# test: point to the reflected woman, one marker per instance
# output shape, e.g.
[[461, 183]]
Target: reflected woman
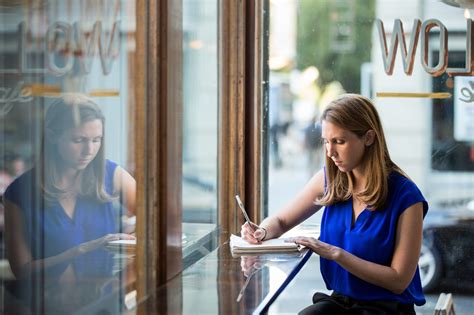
[[63, 207]]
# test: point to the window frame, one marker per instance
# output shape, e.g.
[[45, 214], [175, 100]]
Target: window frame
[[158, 142]]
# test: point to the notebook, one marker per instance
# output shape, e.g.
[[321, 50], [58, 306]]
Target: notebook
[[240, 246]]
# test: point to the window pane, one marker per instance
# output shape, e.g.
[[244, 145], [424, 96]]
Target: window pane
[[201, 90], [321, 49], [67, 103]]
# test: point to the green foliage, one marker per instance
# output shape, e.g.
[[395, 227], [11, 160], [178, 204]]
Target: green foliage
[[317, 21]]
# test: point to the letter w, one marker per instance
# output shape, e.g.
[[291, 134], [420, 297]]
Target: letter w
[[109, 48], [398, 36]]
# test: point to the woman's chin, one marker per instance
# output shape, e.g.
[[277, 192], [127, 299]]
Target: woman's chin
[[342, 168], [80, 166]]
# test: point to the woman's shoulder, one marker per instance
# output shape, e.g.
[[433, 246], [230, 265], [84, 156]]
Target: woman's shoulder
[[110, 165], [24, 180], [22, 186], [398, 181], [405, 192]]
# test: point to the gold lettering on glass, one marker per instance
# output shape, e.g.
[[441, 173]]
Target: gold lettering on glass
[[110, 52], [440, 68], [66, 42], [469, 66], [398, 37], [86, 45], [11, 95], [59, 45], [408, 55]]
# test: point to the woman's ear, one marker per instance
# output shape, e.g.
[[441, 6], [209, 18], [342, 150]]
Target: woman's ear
[[369, 137]]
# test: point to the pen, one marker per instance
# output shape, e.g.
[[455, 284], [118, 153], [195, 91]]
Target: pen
[[241, 206], [244, 287]]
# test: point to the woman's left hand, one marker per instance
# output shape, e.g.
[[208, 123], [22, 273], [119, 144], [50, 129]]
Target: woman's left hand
[[324, 250]]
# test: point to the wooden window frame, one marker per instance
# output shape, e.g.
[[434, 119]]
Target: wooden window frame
[[158, 138], [158, 134], [241, 118]]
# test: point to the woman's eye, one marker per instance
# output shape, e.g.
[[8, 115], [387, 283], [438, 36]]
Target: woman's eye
[[77, 140], [97, 140]]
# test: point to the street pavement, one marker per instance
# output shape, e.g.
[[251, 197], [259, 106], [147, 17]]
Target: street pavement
[[284, 183]]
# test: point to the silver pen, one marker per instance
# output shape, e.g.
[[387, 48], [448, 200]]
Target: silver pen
[[241, 206], [244, 287]]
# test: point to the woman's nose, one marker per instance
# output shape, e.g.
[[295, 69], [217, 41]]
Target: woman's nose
[[88, 147], [330, 150]]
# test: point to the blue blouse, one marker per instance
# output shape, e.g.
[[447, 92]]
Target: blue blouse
[[372, 238], [48, 229]]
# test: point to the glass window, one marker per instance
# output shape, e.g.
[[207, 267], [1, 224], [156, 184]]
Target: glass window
[[67, 156], [200, 92], [321, 49], [452, 148]]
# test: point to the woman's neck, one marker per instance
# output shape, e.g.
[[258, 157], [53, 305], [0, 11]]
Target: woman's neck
[[69, 178], [360, 179]]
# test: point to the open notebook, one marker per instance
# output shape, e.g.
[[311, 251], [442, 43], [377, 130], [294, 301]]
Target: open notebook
[[240, 246]]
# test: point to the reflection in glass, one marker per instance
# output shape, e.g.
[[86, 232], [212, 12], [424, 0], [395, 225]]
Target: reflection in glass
[[66, 99], [200, 92], [63, 207]]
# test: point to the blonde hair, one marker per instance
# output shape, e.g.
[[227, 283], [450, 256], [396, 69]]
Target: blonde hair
[[70, 111], [358, 115]]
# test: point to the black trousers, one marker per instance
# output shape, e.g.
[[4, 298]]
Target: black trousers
[[336, 304]]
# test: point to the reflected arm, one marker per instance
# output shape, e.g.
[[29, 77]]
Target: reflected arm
[[19, 255], [126, 186]]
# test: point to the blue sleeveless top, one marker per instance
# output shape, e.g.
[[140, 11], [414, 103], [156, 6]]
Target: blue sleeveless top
[[49, 231], [372, 238]]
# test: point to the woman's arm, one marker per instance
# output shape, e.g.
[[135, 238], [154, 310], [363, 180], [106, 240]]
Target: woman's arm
[[399, 274], [126, 186], [19, 256], [17, 251], [298, 210]]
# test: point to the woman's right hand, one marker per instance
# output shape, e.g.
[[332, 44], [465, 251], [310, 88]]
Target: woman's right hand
[[94, 244], [252, 234], [250, 264]]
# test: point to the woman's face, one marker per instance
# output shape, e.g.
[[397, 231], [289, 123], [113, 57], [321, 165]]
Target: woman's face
[[343, 147], [79, 146]]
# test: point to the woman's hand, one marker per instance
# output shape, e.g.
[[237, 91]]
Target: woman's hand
[[250, 264], [94, 244], [324, 250], [252, 234]]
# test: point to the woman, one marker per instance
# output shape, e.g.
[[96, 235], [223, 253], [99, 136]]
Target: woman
[[63, 207], [371, 229]]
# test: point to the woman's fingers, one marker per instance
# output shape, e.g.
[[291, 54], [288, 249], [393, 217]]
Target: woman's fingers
[[324, 250], [125, 236], [94, 244], [247, 234], [305, 241], [259, 234], [253, 226]]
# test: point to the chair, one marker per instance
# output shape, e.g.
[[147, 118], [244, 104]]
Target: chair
[[445, 305]]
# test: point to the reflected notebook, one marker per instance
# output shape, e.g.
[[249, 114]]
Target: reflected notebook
[[240, 246], [121, 244]]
